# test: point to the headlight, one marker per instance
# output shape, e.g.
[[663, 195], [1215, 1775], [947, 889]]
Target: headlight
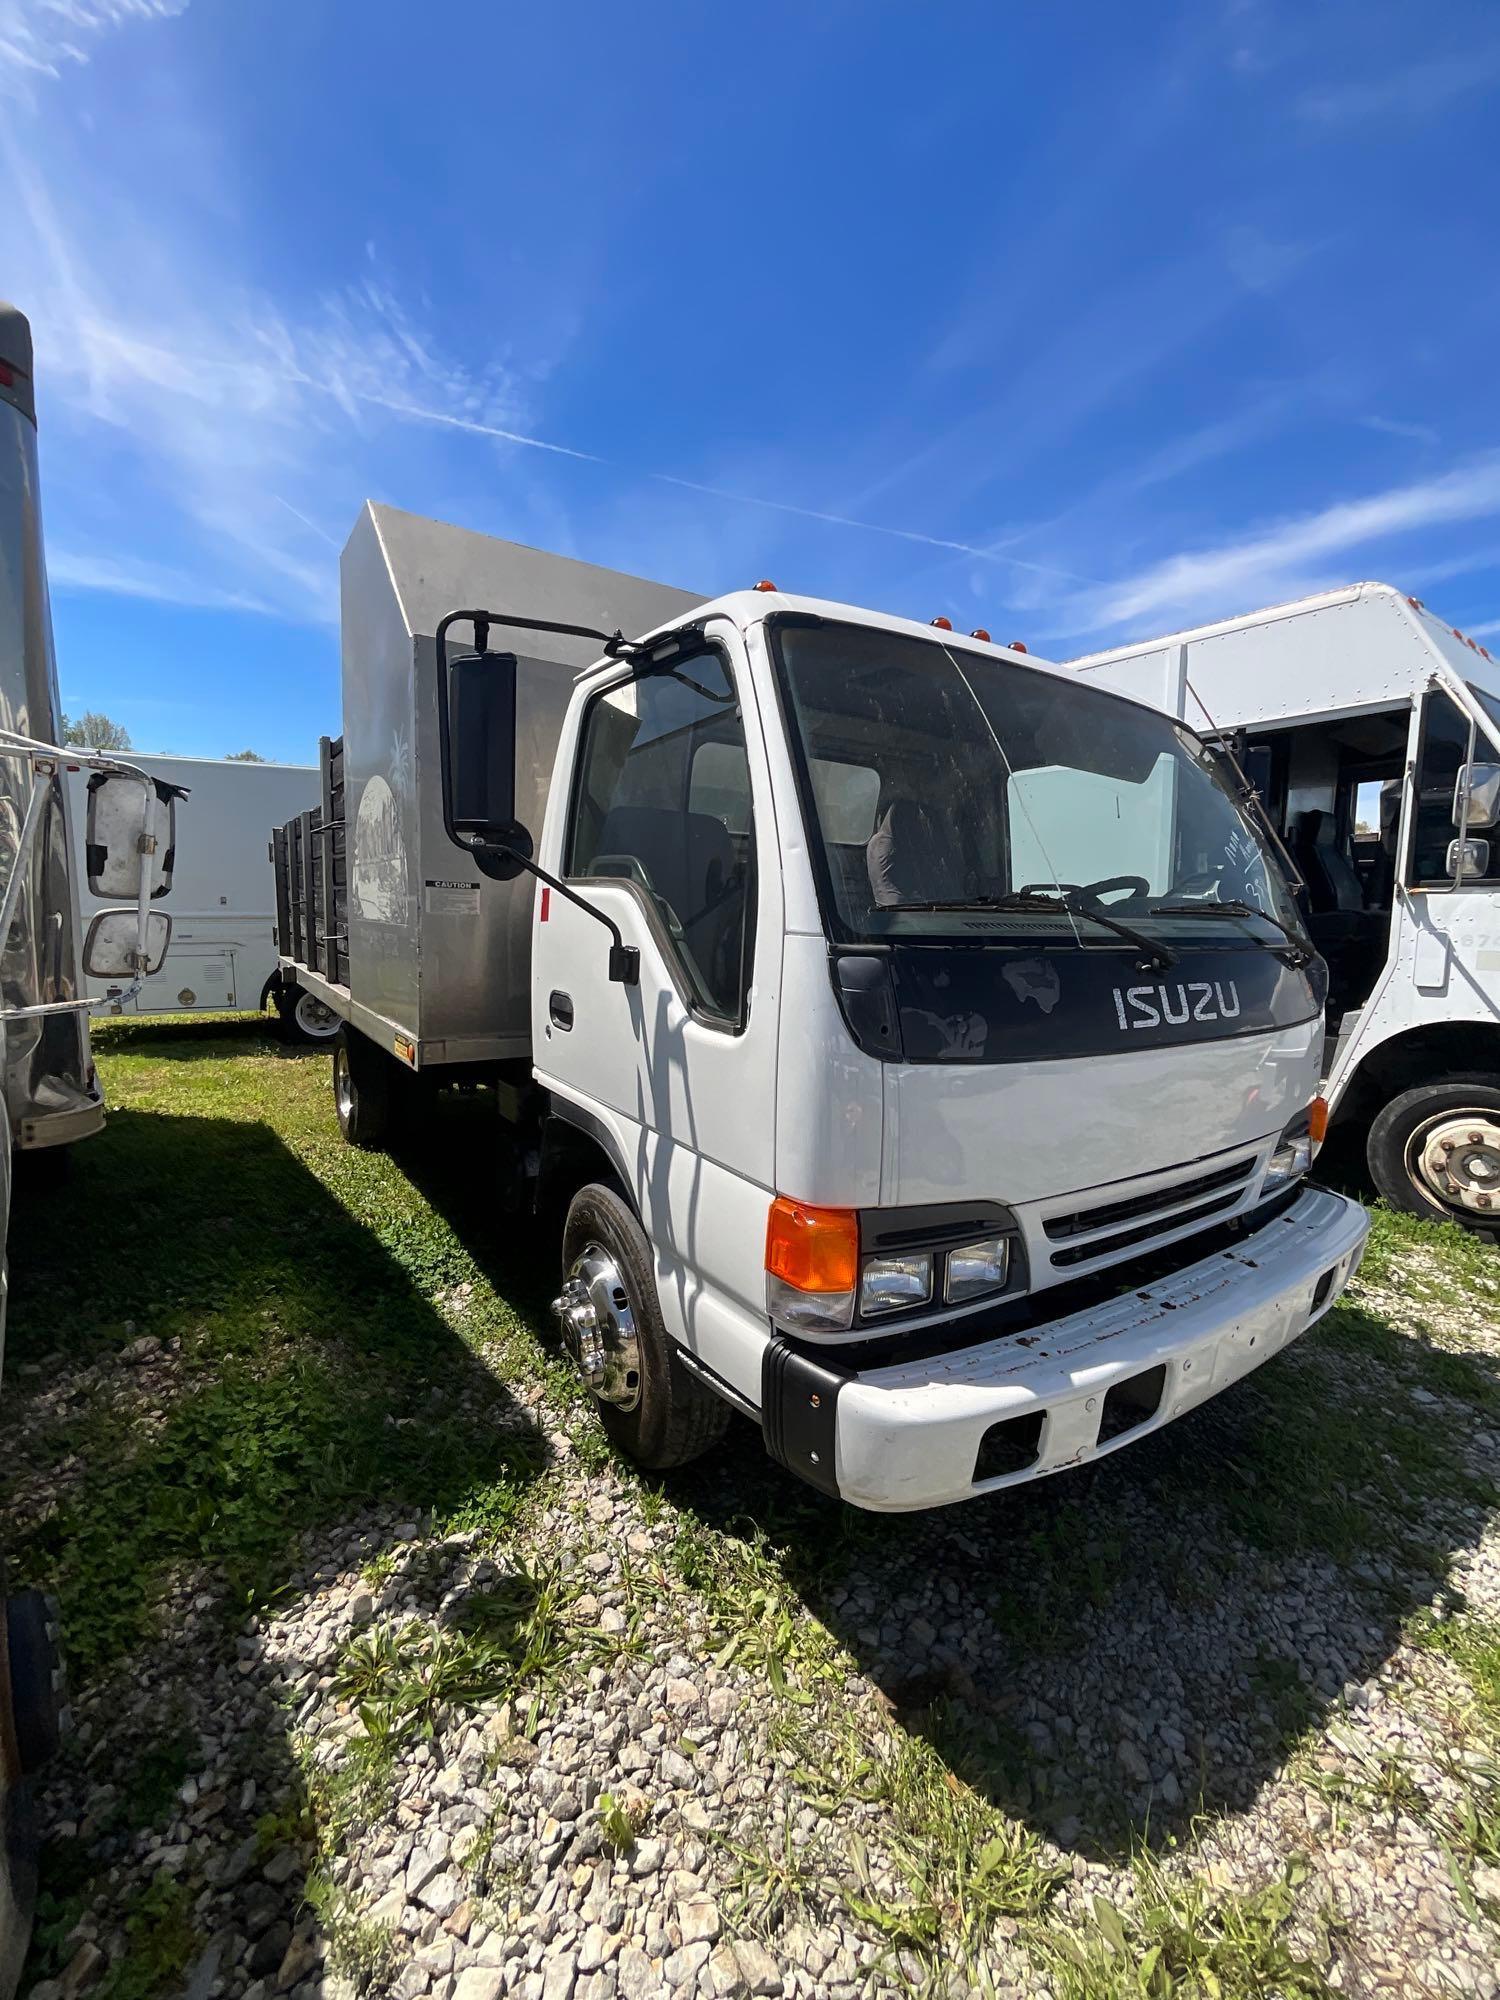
[[886, 1284], [1292, 1157], [975, 1268]]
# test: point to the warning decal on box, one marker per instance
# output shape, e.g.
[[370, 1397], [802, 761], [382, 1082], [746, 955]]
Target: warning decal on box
[[452, 899]]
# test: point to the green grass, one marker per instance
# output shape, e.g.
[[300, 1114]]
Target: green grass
[[343, 1331], [317, 1367]]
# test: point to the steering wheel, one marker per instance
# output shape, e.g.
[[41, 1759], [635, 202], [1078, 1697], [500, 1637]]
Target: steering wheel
[[1135, 885]]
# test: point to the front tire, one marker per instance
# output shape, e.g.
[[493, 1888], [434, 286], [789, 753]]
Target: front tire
[[1435, 1152], [664, 1416]]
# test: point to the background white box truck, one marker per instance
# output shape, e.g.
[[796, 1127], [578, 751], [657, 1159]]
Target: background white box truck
[[1370, 732], [223, 955], [852, 1115]]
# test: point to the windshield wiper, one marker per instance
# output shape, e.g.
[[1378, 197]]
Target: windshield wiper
[[1300, 952], [1160, 955]]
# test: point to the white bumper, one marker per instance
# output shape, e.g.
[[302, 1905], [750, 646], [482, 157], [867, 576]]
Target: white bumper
[[909, 1435]]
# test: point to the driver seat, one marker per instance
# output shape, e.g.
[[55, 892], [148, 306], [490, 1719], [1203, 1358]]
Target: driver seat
[[913, 856]]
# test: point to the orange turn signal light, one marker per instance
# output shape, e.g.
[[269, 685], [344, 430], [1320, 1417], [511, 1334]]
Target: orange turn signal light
[[812, 1249], [765, 584], [1317, 1120]]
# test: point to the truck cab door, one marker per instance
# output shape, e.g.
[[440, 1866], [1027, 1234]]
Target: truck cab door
[[662, 819]]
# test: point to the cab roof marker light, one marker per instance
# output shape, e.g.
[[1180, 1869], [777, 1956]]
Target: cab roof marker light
[[1018, 645], [943, 624], [765, 584], [1416, 604], [980, 633]]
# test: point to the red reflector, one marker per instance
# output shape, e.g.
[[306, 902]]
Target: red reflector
[[943, 624], [546, 903], [980, 633], [765, 584], [1018, 645]]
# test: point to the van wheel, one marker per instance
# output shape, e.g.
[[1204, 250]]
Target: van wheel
[[304, 1018], [1435, 1152], [361, 1089], [650, 1406]]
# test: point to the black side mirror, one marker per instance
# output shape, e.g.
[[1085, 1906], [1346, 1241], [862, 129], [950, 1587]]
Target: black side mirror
[[482, 743], [477, 745]]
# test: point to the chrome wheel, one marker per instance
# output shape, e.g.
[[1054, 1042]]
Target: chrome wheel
[[1455, 1160], [599, 1327], [317, 1022], [343, 1084]]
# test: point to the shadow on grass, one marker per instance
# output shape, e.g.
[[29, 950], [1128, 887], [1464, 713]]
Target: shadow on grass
[[1126, 1647], [188, 1038], [218, 1368]]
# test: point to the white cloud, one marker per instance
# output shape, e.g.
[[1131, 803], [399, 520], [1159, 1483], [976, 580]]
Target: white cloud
[[1284, 559], [1396, 427], [39, 38], [1483, 631], [1416, 91], [121, 576]]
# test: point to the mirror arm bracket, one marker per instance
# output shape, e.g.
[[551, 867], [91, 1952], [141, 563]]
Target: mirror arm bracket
[[624, 959]]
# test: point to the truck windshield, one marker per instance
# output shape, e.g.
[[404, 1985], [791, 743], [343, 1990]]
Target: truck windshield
[[944, 784]]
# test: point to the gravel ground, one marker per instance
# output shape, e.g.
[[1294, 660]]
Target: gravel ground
[[1217, 1717], [656, 1807]]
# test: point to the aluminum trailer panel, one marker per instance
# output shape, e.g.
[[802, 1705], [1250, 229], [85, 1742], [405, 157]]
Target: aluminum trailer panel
[[438, 953]]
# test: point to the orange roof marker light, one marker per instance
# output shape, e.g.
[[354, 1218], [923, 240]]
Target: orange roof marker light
[[980, 633], [765, 584], [1018, 645], [1416, 604], [943, 624]]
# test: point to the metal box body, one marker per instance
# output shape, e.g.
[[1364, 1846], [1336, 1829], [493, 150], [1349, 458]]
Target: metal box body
[[438, 953]]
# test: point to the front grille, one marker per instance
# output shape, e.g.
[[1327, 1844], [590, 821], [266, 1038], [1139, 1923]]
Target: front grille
[[1163, 1208], [1127, 1239], [1084, 1221]]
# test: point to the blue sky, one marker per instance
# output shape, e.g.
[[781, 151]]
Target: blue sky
[[1076, 322]]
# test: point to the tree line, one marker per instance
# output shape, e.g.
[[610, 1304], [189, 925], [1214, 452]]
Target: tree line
[[93, 730]]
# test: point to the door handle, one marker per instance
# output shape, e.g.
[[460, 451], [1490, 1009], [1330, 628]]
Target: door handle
[[560, 1007]]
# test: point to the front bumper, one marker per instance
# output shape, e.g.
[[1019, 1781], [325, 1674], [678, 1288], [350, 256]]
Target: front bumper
[[909, 1435]]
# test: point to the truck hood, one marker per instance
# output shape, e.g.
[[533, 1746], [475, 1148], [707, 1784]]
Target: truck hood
[[1026, 1132]]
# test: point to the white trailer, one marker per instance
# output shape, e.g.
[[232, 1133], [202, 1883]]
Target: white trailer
[[852, 1116], [224, 955], [1370, 732]]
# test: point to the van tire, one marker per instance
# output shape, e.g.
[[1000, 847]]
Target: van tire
[[300, 1014], [361, 1089], [1401, 1140], [677, 1418]]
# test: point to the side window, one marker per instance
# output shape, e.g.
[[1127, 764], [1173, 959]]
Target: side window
[[1445, 745], [662, 800]]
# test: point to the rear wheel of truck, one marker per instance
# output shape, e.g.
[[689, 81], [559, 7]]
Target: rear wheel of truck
[[651, 1407], [1435, 1152], [361, 1089]]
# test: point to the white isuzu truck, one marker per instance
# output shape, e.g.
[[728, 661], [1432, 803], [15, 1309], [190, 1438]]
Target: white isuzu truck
[[49, 1093], [1369, 731], [917, 1047]]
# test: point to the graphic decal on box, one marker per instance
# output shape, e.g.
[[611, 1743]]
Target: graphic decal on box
[[379, 876]]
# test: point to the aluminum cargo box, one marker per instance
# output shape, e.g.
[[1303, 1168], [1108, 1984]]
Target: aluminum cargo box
[[437, 952]]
